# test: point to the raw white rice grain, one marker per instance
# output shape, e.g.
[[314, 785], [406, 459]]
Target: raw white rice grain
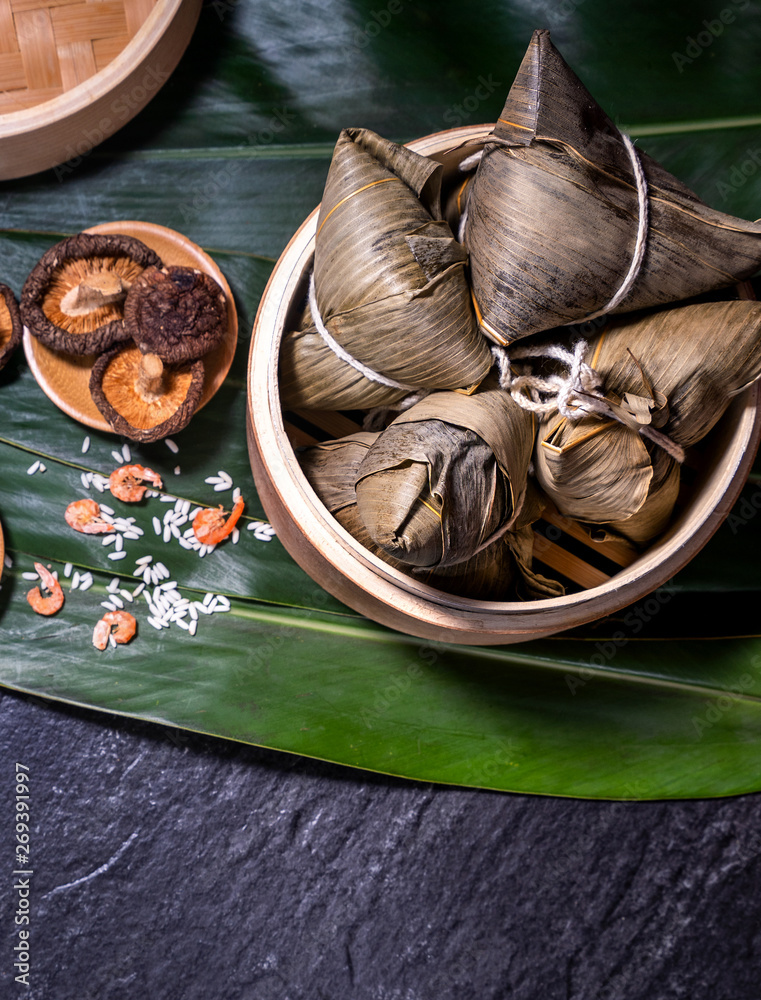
[[126, 595], [108, 605], [177, 470], [193, 627], [33, 468], [85, 581], [112, 640], [108, 539], [86, 445], [138, 590], [117, 555], [30, 576], [106, 509], [117, 457], [126, 453], [171, 445], [157, 525], [75, 580], [113, 585], [67, 570]]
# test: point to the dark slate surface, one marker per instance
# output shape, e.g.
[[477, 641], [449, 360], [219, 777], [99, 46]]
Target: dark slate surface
[[175, 867]]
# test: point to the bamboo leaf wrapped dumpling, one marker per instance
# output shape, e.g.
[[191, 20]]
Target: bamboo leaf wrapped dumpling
[[685, 364], [560, 226], [447, 476], [500, 571], [390, 286]]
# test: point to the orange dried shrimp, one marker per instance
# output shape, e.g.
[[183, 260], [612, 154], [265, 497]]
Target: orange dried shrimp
[[210, 526], [54, 600], [119, 624], [85, 516], [129, 482]]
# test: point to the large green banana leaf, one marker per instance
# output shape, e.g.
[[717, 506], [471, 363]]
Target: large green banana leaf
[[664, 700]]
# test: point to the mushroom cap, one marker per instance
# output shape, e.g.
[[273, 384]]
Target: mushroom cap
[[115, 386], [11, 326], [179, 313], [105, 266]]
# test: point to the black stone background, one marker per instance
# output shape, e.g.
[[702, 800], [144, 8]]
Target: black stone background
[[171, 866]]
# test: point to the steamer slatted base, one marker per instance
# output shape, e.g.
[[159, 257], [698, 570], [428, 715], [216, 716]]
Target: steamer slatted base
[[74, 71]]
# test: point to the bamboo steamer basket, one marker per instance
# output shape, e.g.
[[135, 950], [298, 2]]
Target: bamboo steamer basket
[[334, 559], [72, 72]]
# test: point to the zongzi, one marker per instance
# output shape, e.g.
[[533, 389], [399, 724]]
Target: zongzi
[[566, 220], [447, 477], [389, 306]]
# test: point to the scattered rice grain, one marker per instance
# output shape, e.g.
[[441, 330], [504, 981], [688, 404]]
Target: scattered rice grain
[[171, 445], [33, 468], [86, 445], [117, 554], [67, 570]]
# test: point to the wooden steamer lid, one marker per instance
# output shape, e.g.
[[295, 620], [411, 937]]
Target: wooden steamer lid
[[72, 72], [334, 559]]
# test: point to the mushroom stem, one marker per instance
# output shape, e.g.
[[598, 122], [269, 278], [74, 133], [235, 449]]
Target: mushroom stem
[[97, 289], [150, 377]]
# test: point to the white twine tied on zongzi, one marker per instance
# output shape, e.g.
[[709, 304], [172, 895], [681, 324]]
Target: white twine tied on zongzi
[[643, 221], [341, 352], [577, 393]]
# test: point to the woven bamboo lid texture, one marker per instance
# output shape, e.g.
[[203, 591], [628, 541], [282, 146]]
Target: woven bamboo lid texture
[[608, 576], [72, 72]]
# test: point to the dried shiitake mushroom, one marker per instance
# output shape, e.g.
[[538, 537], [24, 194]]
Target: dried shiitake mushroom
[[143, 398], [73, 300], [10, 324], [179, 313]]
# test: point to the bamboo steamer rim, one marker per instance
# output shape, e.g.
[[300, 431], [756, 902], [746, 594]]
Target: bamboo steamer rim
[[65, 379], [43, 135], [333, 557]]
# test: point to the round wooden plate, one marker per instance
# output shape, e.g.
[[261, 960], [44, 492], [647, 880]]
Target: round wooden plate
[[355, 576], [65, 378], [72, 72]]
